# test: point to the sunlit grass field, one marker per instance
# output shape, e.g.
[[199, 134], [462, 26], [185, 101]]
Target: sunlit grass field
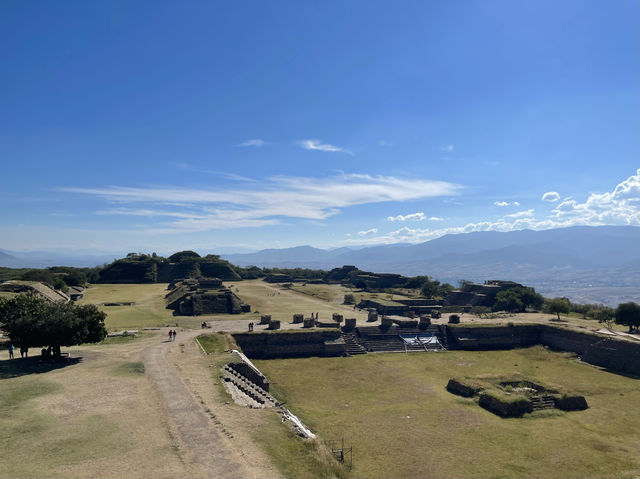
[[395, 411], [282, 306], [150, 310]]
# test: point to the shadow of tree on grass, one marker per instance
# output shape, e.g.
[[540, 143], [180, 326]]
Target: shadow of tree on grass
[[14, 368]]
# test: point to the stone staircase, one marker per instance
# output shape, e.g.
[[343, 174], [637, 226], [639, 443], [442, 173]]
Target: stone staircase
[[542, 402], [375, 339], [352, 346], [255, 395]]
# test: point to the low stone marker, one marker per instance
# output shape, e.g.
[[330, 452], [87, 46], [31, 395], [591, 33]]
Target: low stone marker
[[298, 318], [337, 317], [386, 322], [454, 319], [425, 321], [309, 323], [274, 324], [350, 323], [372, 316], [265, 318]]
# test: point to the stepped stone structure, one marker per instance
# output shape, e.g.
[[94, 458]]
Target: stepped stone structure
[[473, 294], [43, 290], [203, 296]]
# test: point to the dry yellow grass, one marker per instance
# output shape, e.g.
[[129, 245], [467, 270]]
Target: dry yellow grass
[[402, 423]]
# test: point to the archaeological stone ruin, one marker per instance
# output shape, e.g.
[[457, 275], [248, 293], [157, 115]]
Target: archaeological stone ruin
[[194, 297]]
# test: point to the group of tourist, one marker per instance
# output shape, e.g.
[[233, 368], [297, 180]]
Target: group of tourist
[[24, 351], [172, 334]]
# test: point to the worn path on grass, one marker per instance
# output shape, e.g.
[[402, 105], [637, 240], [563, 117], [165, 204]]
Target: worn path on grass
[[201, 446]]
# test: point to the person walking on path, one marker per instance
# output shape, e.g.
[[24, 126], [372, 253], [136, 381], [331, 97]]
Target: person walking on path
[[174, 334], [170, 335], [11, 348]]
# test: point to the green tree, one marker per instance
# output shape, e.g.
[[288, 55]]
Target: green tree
[[557, 306], [529, 297], [32, 322], [628, 314], [182, 255], [152, 273], [604, 315], [349, 299], [508, 300]]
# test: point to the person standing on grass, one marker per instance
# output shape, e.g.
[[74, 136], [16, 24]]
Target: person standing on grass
[[11, 348]]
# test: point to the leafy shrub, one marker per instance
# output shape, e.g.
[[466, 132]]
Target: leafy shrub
[[349, 299]]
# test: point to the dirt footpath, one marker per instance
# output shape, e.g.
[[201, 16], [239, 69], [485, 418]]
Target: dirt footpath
[[203, 443]]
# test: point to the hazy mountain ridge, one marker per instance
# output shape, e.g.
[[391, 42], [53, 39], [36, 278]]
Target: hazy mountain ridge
[[44, 259], [587, 264]]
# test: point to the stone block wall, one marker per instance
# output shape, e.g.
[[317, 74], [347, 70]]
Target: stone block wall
[[284, 344], [616, 354]]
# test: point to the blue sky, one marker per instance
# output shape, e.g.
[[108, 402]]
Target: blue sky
[[226, 126]]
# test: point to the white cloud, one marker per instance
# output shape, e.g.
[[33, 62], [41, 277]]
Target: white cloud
[[506, 203], [522, 214], [447, 148], [253, 142], [411, 217], [384, 143], [551, 196], [263, 203], [318, 146], [372, 231], [619, 207]]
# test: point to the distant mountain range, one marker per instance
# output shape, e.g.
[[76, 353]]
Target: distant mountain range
[[584, 263], [44, 259], [595, 264]]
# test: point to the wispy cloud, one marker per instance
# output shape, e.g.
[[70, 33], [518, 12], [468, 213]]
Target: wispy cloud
[[551, 196], [317, 145], [368, 232], [506, 203], [522, 214], [384, 143], [262, 203], [447, 148], [254, 142]]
